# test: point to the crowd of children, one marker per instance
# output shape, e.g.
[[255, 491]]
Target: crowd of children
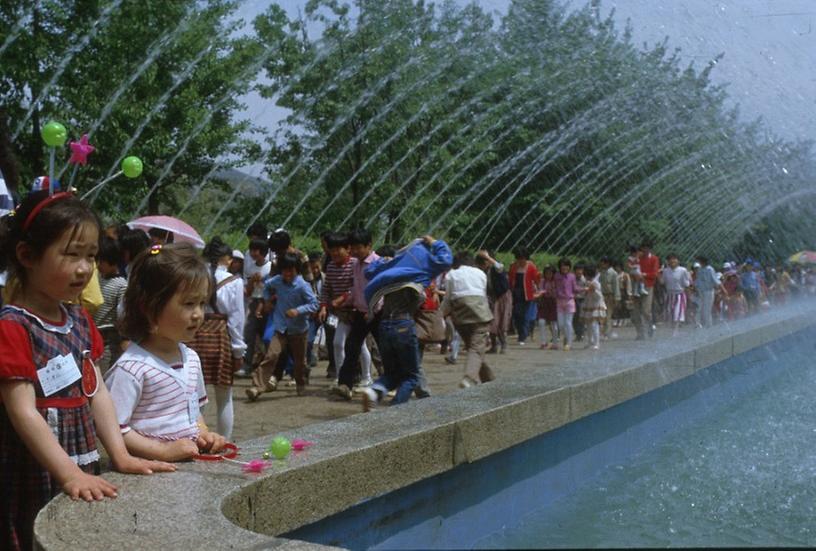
[[168, 321]]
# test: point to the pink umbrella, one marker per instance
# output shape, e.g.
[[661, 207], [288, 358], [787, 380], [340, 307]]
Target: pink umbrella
[[182, 231]]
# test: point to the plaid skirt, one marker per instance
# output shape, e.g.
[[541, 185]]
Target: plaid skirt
[[25, 487], [212, 344]]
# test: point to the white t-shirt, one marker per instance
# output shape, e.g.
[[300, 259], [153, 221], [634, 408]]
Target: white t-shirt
[[676, 280], [251, 268], [155, 399]]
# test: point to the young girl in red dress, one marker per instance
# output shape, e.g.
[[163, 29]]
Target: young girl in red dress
[[52, 405]]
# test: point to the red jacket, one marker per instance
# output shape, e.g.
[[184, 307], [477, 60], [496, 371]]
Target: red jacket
[[531, 277], [649, 267]]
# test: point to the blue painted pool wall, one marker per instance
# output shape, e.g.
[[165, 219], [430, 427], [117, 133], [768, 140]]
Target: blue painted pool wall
[[458, 508]]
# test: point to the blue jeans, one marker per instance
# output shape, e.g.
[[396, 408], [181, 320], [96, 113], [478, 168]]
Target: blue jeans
[[310, 339], [399, 349]]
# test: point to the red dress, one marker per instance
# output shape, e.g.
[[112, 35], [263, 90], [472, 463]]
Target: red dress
[[27, 343]]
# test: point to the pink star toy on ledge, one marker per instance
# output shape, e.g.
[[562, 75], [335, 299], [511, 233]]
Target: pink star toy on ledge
[[80, 151]]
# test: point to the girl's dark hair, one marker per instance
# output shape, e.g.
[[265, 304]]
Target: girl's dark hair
[[215, 250], [548, 268], [315, 256], [672, 255], [288, 260], [703, 260], [522, 252], [155, 276], [564, 262], [109, 251], [132, 242], [590, 272], [66, 213], [337, 239]]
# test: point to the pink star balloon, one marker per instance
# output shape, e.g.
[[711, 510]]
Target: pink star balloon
[[80, 151]]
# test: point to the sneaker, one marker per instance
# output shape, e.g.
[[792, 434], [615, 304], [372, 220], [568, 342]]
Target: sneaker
[[566, 348], [313, 362], [644, 293], [301, 390], [521, 343], [370, 399], [391, 393], [421, 393], [503, 349], [449, 360], [244, 373], [271, 384], [362, 385], [614, 335], [343, 391], [252, 393], [595, 347], [467, 382], [544, 347]]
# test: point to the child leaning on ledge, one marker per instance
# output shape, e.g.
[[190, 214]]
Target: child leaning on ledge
[[157, 384]]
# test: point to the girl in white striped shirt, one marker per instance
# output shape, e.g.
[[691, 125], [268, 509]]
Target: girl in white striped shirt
[[157, 385]]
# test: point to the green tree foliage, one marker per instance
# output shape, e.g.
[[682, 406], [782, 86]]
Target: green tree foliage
[[544, 128], [112, 65]]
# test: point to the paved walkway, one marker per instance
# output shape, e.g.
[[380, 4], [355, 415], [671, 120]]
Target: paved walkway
[[283, 410]]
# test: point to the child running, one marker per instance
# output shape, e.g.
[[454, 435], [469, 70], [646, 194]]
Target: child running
[[294, 303], [52, 408], [157, 384]]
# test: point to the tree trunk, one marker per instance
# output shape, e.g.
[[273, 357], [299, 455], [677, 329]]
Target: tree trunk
[[8, 160]]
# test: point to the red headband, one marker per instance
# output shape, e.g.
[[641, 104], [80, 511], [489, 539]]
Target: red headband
[[41, 205]]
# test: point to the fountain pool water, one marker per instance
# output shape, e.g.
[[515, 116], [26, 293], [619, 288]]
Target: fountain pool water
[[722, 458]]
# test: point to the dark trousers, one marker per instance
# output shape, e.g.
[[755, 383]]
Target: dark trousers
[[520, 319], [360, 328], [331, 369], [399, 349]]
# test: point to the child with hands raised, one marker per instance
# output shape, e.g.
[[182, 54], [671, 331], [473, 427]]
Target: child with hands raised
[[52, 407], [157, 384]]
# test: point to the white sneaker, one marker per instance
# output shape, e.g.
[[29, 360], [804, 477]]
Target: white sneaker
[[363, 385], [370, 399], [271, 384], [467, 382]]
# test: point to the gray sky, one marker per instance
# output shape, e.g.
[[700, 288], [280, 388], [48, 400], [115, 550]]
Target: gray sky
[[769, 48]]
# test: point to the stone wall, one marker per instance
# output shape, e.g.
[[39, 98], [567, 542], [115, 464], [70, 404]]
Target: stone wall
[[216, 506]]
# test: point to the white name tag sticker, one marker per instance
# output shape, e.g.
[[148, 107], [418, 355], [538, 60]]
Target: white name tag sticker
[[58, 373]]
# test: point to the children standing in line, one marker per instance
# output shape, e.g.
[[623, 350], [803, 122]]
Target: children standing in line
[[219, 342], [157, 385], [294, 302], [547, 310], [594, 310], [52, 407]]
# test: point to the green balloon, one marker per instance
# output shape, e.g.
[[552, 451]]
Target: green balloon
[[132, 167], [280, 447], [54, 134]]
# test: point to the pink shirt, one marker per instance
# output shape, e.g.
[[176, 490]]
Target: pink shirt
[[358, 300]]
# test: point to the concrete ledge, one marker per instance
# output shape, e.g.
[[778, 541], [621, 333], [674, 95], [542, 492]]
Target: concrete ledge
[[368, 455]]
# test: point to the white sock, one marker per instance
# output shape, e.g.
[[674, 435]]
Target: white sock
[[223, 403]]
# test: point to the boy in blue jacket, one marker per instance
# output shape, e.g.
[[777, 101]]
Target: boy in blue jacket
[[399, 285]]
